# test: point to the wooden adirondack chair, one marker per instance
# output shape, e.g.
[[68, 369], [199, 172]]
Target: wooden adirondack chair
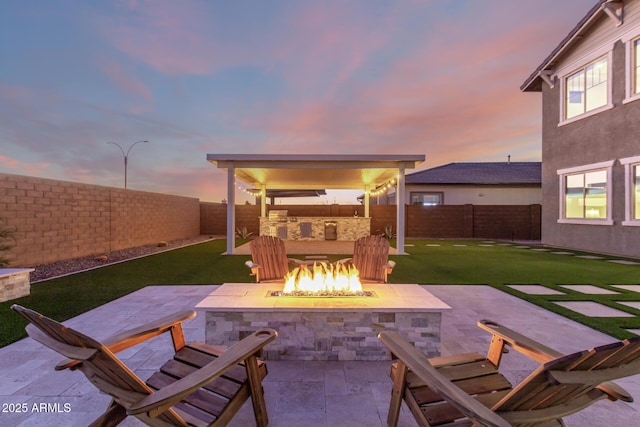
[[444, 390], [201, 386], [269, 259], [371, 258]]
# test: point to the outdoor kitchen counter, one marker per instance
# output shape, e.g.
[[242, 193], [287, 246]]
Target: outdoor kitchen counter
[[316, 228]]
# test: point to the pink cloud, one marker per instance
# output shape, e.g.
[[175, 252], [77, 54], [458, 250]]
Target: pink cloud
[[20, 167], [126, 80]]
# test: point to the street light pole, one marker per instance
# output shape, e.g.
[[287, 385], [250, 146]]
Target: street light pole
[[126, 157]]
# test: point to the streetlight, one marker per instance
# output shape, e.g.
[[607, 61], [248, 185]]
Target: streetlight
[[126, 158]]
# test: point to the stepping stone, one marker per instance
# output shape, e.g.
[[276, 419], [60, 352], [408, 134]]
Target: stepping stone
[[634, 331], [535, 290], [488, 241], [589, 257], [562, 253], [486, 246], [459, 245], [408, 244], [632, 288], [539, 249], [589, 289], [432, 245], [623, 262], [593, 309], [504, 244], [521, 247], [632, 304]]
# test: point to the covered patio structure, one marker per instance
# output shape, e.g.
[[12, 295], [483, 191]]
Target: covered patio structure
[[266, 172]]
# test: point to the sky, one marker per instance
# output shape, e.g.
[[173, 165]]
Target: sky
[[438, 78]]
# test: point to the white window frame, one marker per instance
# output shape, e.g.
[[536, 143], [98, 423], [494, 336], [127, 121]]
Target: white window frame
[[629, 163], [562, 173], [628, 39], [567, 71]]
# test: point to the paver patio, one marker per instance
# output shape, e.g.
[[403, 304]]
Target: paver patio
[[297, 393]]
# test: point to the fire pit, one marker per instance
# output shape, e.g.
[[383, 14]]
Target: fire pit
[[323, 280], [324, 328]]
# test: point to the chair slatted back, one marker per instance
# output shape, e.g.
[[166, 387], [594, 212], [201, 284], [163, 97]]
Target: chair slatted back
[[370, 254], [573, 377], [270, 254], [100, 366]]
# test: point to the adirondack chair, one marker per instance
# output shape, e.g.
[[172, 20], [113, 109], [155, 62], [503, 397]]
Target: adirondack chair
[[269, 259], [444, 390], [371, 258], [201, 386]]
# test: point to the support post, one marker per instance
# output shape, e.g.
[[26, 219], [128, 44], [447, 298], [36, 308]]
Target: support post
[[263, 201], [231, 210], [400, 208], [366, 200]]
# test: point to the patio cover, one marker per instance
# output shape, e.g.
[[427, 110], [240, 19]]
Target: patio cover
[[312, 171]]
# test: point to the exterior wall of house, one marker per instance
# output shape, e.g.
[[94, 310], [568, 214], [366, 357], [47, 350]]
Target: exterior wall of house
[[609, 135], [480, 194], [56, 220]]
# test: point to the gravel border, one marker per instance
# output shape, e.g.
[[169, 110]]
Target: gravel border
[[63, 268]]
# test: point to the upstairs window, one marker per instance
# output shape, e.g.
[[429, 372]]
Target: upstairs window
[[636, 66], [587, 89], [585, 194]]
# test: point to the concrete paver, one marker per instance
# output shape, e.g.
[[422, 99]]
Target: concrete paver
[[308, 393]]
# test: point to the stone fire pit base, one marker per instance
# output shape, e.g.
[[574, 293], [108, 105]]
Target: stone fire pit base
[[332, 328]]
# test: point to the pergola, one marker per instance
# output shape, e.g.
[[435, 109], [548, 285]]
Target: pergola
[[312, 171]]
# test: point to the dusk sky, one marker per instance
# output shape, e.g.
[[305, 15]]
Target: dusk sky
[[439, 78]]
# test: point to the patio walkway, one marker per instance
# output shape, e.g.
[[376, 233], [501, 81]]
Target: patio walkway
[[297, 393], [313, 247]]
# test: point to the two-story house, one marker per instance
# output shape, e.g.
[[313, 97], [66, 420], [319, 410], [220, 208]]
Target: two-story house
[[590, 86]]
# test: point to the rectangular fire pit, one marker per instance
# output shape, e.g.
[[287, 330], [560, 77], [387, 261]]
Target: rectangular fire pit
[[324, 328]]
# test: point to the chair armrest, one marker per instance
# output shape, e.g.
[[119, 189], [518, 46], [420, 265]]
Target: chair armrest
[[418, 363], [530, 348], [390, 265], [163, 399], [126, 339]]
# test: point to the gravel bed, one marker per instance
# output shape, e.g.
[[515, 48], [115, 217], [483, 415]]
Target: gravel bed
[[62, 268]]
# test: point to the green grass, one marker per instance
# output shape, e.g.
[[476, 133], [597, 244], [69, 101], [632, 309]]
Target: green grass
[[495, 266]]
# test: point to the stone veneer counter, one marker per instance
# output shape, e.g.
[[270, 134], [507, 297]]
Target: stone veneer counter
[[349, 228], [324, 328]]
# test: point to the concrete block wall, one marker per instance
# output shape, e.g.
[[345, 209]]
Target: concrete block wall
[[56, 220]]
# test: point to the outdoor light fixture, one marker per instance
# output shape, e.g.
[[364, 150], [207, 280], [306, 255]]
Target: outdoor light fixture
[[126, 157]]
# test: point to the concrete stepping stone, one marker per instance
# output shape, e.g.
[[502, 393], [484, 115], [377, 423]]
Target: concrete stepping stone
[[589, 257], [592, 309], [433, 245], [521, 247], [623, 262], [634, 331], [540, 249], [562, 253], [632, 304], [590, 289], [632, 288], [486, 245], [504, 244], [535, 290], [408, 244], [460, 245]]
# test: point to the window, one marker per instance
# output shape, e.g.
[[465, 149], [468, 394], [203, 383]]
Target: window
[[632, 190], [587, 89], [585, 194], [632, 72], [636, 66], [426, 198]]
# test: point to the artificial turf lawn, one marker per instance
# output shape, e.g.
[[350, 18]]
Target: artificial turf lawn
[[448, 263]]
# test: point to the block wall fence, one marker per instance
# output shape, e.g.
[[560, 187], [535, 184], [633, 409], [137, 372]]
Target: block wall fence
[[55, 220]]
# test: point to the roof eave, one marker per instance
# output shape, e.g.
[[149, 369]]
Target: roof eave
[[534, 82]]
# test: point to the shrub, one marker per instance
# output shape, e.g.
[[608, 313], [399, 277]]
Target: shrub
[[7, 242]]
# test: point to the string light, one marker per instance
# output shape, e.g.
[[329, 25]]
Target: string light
[[247, 190], [383, 188]]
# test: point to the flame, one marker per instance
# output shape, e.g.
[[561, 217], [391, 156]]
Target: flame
[[323, 278]]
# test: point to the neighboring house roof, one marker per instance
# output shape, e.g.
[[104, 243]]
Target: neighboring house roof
[[533, 83], [487, 173]]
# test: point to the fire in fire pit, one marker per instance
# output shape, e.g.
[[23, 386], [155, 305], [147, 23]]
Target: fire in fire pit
[[323, 279]]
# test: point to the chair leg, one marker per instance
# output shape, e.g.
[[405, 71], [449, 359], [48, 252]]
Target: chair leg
[[257, 392], [113, 416], [399, 384]]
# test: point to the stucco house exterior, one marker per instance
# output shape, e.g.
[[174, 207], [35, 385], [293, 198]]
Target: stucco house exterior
[[474, 183], [590, 85]]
